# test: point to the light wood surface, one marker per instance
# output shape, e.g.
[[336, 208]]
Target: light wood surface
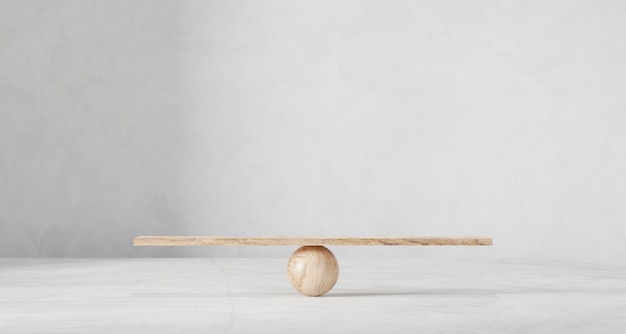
[[316, 241], [313, 270]]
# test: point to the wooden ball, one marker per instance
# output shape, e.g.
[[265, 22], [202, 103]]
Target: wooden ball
[[313, 270]]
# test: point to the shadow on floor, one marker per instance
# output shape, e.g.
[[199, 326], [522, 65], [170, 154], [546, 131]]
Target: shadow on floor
[[447, 292]]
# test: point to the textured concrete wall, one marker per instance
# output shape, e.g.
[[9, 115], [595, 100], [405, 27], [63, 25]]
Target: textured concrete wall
[[499, 118]]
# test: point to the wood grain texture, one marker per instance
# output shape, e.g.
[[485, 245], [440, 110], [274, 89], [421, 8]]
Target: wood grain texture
[[315, 241], [313, 270]]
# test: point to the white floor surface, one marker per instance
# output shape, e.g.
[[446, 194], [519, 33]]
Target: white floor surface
[[254, 296]]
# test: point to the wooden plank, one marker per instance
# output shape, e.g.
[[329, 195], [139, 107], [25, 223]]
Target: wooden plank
[[300, 241]]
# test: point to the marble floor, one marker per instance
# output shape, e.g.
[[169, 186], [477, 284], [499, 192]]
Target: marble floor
[[254, 296]]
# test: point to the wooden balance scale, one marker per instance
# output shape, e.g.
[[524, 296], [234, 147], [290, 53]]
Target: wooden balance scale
[[312, 269]]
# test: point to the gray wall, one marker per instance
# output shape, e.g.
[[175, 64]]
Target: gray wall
[[500, 118]]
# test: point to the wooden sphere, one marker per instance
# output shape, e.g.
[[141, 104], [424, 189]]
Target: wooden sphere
[[313, 270]]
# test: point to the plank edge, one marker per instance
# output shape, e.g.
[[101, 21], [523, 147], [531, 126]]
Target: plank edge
[[294, 241]]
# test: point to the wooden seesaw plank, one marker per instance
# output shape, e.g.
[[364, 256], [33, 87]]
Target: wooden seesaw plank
[[314, 241]]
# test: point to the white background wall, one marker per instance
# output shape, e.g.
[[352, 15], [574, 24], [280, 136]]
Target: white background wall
[[368, 118]]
